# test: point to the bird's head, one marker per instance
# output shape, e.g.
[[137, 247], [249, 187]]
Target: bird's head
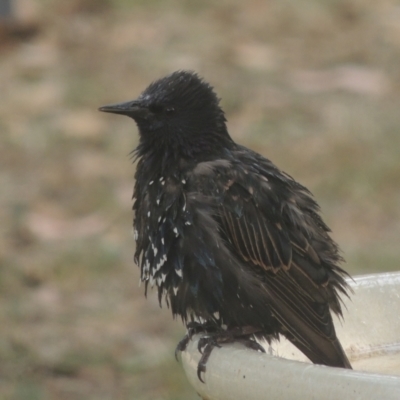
[[180, 110]]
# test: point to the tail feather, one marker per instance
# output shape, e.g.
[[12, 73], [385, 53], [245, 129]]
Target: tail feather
[[306, 322], [319, 349]]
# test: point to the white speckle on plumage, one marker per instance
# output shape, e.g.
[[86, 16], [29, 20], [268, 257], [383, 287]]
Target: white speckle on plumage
[[176, 232], [149, 213], [184, 205], [216, 315], [155, 250], [188, 223], [162, 240], [161, 262], [152, 280], [183, 181], [175, 289], [161, 179], [179, 272], [164, 276], [135, 234], [163, 183], [159, 219], [251, 306], [158, 202], [145, 97], [151, 182], [159, 280]]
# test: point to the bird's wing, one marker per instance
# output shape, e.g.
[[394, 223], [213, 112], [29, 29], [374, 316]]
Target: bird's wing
[[272, 225]]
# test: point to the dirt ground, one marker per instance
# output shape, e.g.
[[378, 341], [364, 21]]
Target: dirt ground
[[313, 85]]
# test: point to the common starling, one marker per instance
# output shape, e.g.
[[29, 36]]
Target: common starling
[[232, 243]]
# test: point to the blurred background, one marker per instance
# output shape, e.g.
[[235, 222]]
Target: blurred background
[[312, 85]]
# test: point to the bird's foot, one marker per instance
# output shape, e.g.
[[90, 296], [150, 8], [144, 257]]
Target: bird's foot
[[192, 329], [207, 343]]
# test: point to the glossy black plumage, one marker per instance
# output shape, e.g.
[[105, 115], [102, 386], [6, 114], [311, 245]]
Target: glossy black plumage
[[224, 235]]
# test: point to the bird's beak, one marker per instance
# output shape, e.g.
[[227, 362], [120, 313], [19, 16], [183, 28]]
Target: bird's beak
[[130, 108]]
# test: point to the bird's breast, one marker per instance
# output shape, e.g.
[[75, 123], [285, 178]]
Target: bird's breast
[[160, 223]]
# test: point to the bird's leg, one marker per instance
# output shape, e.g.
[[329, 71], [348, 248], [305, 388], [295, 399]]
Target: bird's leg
[[242, 335], [192, 329]]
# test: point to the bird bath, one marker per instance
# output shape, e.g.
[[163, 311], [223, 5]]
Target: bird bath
[[370, 335]]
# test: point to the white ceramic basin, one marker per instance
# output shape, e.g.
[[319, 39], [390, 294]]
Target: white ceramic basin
[[370, 335]]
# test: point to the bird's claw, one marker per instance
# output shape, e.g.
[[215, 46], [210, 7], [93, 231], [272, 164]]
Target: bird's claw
[[202, 365], [193, 328], [206, 344], [207, 341], [181, 346]]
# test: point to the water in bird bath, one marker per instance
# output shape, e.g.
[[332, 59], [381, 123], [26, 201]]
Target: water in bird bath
[[382, 362], [371, 346]]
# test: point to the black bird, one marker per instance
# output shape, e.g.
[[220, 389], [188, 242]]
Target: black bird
[[231, 242]]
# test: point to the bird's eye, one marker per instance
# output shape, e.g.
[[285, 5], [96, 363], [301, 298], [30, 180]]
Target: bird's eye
[[159, 109], [156, 108]]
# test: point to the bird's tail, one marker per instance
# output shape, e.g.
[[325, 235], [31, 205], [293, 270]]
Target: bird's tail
[[319, 349]]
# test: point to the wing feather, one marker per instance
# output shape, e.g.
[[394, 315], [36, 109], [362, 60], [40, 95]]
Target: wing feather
[[272, 225]]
